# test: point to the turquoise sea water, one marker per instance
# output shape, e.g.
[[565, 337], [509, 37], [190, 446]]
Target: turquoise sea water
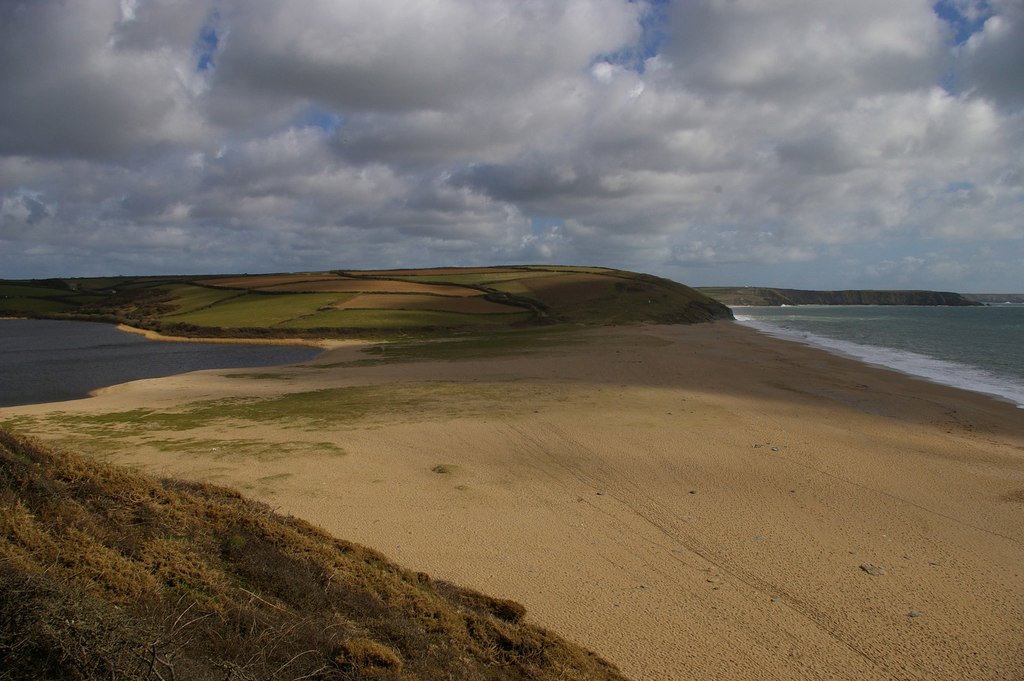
[[975, 348]]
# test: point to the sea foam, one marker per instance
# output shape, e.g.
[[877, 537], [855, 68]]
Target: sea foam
[[940, 371]]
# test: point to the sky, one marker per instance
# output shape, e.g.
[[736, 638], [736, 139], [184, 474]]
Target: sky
[[795, 143]]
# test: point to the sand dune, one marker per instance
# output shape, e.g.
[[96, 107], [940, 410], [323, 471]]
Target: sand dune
[[687, 501]]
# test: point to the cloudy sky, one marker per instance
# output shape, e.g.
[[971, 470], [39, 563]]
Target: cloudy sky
[[801, 143]]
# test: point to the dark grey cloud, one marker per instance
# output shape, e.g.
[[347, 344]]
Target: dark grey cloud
[[71, 90], [413, 56], [788, 51], [993, 59], [818, 153], [532, 183]]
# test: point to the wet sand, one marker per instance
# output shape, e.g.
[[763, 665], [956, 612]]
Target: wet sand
[[689, 502]]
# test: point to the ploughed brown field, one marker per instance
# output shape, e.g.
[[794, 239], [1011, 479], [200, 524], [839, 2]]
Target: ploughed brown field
[[402, 301], [296, 284]]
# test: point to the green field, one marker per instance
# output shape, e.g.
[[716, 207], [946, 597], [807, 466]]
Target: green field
[[205, 306], [29, 291], [20, 306], [189, 298], [258, 309], [403, 319]]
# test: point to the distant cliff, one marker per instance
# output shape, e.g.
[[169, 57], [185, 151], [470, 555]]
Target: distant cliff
[[748, 295], [996, 298]]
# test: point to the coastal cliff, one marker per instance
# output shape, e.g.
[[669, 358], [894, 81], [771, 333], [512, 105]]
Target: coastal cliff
[[748, 295], [996, 298]]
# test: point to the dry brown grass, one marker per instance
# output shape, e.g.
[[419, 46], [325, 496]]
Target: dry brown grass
[[569, 289], [324, 283], [433, 271], [109, 574], [375, 286], [261, 281], [392, 301]]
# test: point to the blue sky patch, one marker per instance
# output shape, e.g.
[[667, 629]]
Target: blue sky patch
[[654, 23], [206, 44], [954, 187], [545, 225], [314, 116], [963, 26]]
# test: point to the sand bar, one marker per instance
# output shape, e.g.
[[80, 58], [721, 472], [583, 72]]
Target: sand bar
[[689, 502], [325, 343]]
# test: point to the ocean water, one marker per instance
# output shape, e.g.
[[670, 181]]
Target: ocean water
[[52, 361], [975, 348]]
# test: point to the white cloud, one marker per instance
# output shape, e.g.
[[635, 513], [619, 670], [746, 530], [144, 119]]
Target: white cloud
[[782, 135]]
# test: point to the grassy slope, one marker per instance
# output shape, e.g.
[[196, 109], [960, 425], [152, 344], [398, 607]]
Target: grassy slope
[[308, 304], [109, 574]]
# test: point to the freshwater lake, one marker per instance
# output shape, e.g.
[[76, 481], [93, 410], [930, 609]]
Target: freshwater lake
[[52, 361]]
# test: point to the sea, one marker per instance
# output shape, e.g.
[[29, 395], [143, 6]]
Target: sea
[[53, 361], [974, 348]]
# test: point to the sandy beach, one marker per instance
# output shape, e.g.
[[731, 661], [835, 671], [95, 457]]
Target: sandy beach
[[687, 501]]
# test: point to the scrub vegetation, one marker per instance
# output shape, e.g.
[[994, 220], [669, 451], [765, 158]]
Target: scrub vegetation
[[106, 573], [386, 304], [172, 429]]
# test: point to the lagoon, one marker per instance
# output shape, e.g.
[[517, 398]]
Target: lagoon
[[52, 361]]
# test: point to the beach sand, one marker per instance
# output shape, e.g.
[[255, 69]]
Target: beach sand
[[686, 501]]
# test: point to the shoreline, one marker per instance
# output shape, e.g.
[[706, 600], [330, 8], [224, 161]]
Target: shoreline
[[953, 372], [336, 344], [684, 501], [825, 347], [85, 364], [323, 343], [782, 335]]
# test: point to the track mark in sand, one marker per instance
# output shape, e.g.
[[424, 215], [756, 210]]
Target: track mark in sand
[[895, 497], [555, 446], [597, 473], [590, 470]]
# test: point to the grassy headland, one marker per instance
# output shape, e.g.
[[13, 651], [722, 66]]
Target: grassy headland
[[378, 303]]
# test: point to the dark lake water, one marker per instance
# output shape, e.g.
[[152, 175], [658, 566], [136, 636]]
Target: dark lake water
[[51, 361]]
